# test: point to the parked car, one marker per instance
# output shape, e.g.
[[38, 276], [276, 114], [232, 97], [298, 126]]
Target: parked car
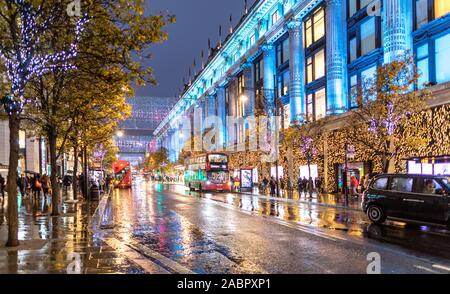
[[410, 198]]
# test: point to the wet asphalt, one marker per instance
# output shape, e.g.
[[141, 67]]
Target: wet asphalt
[[172, 230]]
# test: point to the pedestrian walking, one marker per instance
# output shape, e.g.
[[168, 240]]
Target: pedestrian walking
[[282, 186], [20, 185], [305, 184], [2, 186], [27, 185], [300, 186], [354, 185], [272, 186], [366, 181], [67, 181], [237, 184], [318, 183], [45, 185], [108, 182], [36, 186], [265, 183], [361, 183]]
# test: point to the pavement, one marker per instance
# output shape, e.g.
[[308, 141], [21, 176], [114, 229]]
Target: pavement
[[163, 228], [58, 245]]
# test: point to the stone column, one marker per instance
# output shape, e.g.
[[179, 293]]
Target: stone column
[[336, 54], [297, 71], [397, 28]]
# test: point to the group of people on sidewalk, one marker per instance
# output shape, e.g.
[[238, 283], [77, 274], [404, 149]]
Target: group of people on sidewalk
[[36, 185], [286, 186], [29, 186]]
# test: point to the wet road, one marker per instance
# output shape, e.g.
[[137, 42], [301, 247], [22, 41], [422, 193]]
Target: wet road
[[163, 228]]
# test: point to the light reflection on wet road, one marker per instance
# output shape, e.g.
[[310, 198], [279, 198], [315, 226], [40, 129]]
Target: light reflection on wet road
[[228, 233]]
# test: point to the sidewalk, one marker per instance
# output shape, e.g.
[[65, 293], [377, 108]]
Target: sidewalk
[[326, 199], [58, 245]]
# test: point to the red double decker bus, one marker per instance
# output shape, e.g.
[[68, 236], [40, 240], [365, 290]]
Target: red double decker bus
[[122, 174], [208, 172]]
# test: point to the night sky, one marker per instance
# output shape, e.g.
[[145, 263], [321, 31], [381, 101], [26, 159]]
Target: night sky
[[197, 20]]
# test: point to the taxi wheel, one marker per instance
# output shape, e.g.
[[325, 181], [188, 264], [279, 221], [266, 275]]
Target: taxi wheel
[[376, 214]]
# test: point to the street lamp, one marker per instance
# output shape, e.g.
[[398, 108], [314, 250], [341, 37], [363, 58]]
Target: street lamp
[[119, 133], [243, 98]]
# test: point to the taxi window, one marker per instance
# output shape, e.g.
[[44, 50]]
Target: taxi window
[[430, 186], [380, 184], [402, 184]]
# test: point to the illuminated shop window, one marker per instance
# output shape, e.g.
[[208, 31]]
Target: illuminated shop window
[[429, 10], [314, 27], [316, 105], [315, 66]]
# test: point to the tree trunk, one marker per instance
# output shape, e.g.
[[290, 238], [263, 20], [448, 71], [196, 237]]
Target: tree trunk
[[75, 171], [13, 214], [385, 162], [51, 134]]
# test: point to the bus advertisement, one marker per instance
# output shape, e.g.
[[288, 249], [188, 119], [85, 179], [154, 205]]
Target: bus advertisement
[[208, 172], [122, 174]]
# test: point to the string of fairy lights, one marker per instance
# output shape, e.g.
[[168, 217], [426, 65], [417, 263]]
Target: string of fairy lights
[[24, 63]]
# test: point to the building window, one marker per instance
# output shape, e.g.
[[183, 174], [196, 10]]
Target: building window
[[432, 58], [367, 33], [361, 78], [259, 67], [259, 83], [314, 27], [421, 13], [315, 66], [423, 65], [364, 38], [441, 8], [283, 84], [428, 10], [442, 51], [316, 105], [252, 40], [353, 49], [282, 52], [275, 17], [356, 5], [353, 92]]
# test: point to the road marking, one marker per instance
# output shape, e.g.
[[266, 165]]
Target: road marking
[[324, 235], [280, 222], [136, 257], [441, 267], [139, 254], [426, 269], [165, 261]]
